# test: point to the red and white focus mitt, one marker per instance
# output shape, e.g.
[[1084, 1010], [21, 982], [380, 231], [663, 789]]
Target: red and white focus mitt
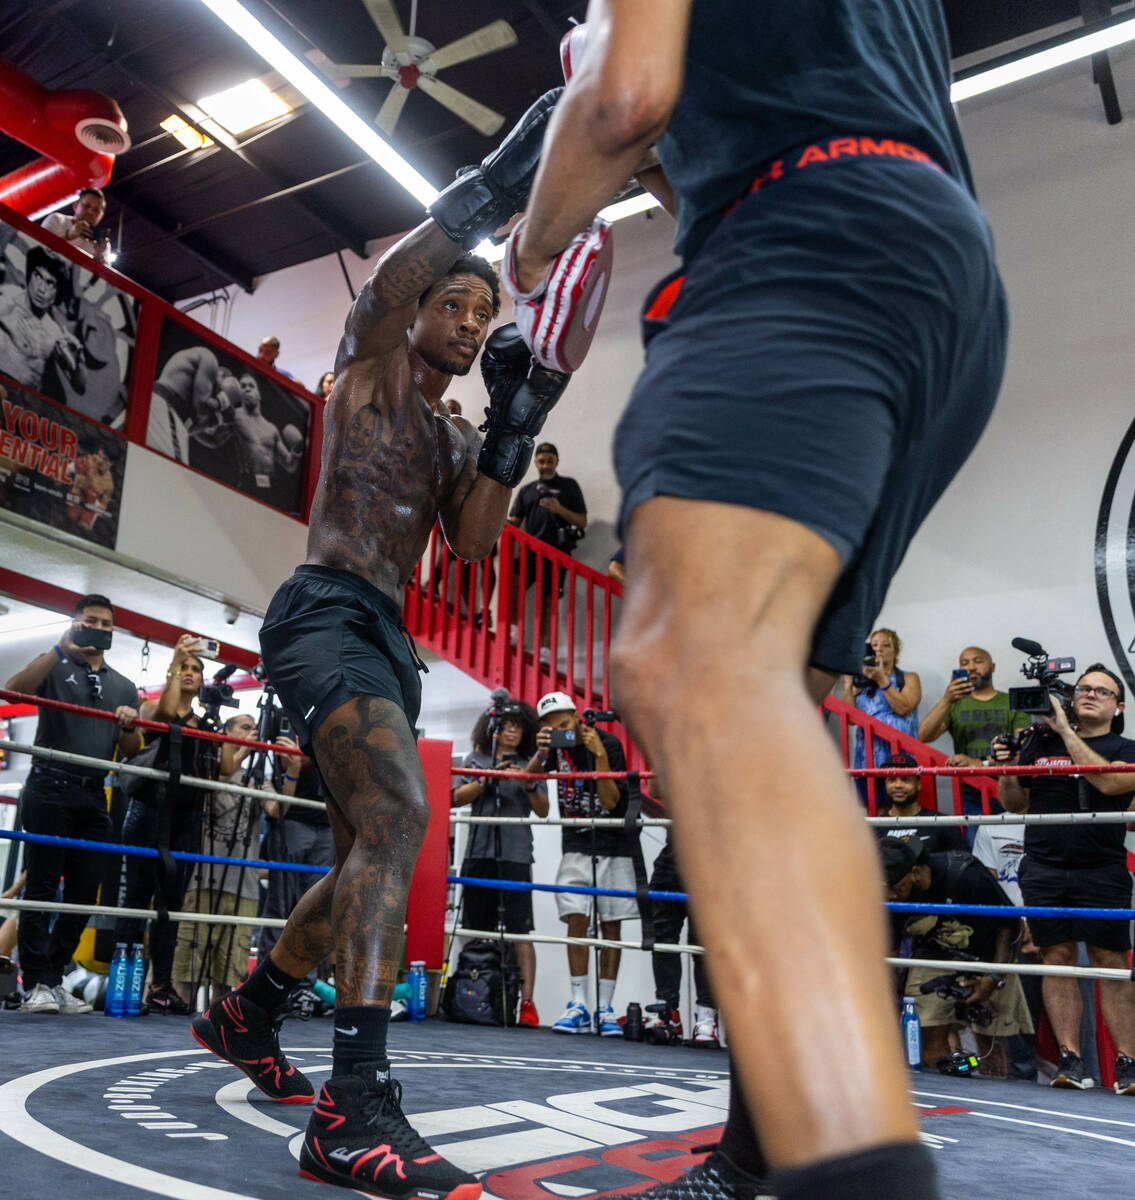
[[558, 318], [572, 47]]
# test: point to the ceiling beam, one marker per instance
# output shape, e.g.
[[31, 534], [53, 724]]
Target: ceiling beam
[[136, 73], [200, 248]]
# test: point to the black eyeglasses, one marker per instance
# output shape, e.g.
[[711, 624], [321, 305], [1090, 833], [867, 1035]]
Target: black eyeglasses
[[1102, 693]]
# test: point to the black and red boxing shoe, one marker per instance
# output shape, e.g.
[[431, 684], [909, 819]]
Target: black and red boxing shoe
[[243, 1034], [358, 1137]]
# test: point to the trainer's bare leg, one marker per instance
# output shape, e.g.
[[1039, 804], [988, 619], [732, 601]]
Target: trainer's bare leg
[[709, 670]]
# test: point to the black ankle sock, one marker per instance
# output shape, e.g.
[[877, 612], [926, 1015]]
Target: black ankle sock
[[268, 986], [360, 1037], [904, 1171], [739, 1142]]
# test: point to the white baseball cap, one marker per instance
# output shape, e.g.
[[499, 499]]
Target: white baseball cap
[[555, 702]]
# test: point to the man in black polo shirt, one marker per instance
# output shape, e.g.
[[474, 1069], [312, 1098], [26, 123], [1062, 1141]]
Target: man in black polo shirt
[[902, 801], [1079, 866], [67, 800], [551, 509]]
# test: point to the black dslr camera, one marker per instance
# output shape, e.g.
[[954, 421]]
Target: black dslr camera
[[949, 987], [217, 694], [1046, 671], [860, 682]]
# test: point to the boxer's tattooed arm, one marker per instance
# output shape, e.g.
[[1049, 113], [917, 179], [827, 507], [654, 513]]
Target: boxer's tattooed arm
[[384, 308], [370, 764]]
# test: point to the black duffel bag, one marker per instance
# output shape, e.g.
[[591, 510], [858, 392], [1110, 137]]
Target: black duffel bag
[[485, 988]]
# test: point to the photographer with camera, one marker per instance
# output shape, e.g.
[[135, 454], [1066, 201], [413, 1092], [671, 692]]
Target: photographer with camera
[[885, 691], [504, 738], [142, 879], [992, 1006], [551, 509], [69, 801], [1078, 866], [591, 857], [81, 229]]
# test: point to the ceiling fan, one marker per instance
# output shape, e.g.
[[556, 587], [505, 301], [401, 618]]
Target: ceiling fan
[[411, 62]]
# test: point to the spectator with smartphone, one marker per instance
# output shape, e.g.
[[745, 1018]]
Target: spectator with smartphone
[[66, 800], [81, 229], [884, 691], [504, 738], [1078, 866], [143, 883], [973, 712], [595, 857]]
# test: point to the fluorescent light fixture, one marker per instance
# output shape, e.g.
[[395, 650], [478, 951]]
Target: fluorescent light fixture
[[311, 86], [63, 206], [185, 133], [1035, 62], [245, 106]]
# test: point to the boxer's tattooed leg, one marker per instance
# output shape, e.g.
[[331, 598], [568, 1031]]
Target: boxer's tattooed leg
[[370, 764]]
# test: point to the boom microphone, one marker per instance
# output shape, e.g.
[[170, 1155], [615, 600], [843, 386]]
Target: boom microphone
[[1028, 647]]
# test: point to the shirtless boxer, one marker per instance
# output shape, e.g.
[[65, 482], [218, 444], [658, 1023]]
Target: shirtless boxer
[[810, 389], [263, 447], [394, 460], [30, 337], [183, 396]]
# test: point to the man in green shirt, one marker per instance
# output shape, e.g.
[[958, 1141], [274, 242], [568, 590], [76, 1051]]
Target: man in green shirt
[[972, 711]]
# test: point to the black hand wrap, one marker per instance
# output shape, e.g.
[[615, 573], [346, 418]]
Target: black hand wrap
[[521, 394], [486, 197]]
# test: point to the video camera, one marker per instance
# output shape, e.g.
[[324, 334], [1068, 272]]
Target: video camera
[[1046, 671], [949, 987], [217, 694]]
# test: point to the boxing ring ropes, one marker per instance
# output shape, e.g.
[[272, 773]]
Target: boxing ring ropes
[[114, 768]]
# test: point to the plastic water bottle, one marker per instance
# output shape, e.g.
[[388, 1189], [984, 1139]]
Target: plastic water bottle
[[416, 1009], [118, 982], [137, 981], [911, 1034], [324, 991]]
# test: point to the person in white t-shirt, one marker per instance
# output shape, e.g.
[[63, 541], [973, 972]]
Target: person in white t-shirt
[[81, 228]]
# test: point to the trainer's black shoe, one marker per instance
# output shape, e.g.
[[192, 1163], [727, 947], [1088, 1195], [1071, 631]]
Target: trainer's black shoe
[[359, 1138], [1124, 1076], [717, 1178], [1071, 1072], [164, 1001], [242, 1033]]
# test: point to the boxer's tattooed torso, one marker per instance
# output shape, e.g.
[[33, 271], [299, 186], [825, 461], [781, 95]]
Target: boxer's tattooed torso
[[391, 460]]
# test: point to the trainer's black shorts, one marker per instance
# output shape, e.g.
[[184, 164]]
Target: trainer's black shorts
[[1077, 887], [330, 635], [832, 356], [480, 904]]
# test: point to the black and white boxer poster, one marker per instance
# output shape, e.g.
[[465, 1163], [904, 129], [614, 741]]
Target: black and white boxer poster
[[65, 332], [227, 419], [59, 469]]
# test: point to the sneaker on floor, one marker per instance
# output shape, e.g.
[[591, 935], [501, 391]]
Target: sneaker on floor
[[714, 1179], [67, 1003], [358, 1137], [607, 1023], [1071, 1072], [41, 999], [241, 1033], [1124, 1076], [576, 1019], [165, 1001], [705, 1029], [528, 1014]]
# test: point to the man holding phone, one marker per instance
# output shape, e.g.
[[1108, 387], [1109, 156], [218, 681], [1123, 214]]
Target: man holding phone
[[66, 800], [595, 857]]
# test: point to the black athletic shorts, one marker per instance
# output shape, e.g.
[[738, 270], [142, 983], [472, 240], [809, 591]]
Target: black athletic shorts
[[1077, 887], [832, 356], [330, 635], [480, 904]]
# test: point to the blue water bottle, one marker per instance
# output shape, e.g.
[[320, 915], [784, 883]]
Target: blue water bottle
[[118, 982], [137, 981], [911, 1034], [416, 1009]]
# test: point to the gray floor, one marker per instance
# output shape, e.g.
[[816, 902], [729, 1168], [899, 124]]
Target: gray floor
[[94, 1107]]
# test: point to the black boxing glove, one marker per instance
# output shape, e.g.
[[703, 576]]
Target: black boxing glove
[[521, 394], [485, 197]]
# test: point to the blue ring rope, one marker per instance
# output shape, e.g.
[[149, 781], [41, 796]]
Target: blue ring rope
[[516, 885]]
